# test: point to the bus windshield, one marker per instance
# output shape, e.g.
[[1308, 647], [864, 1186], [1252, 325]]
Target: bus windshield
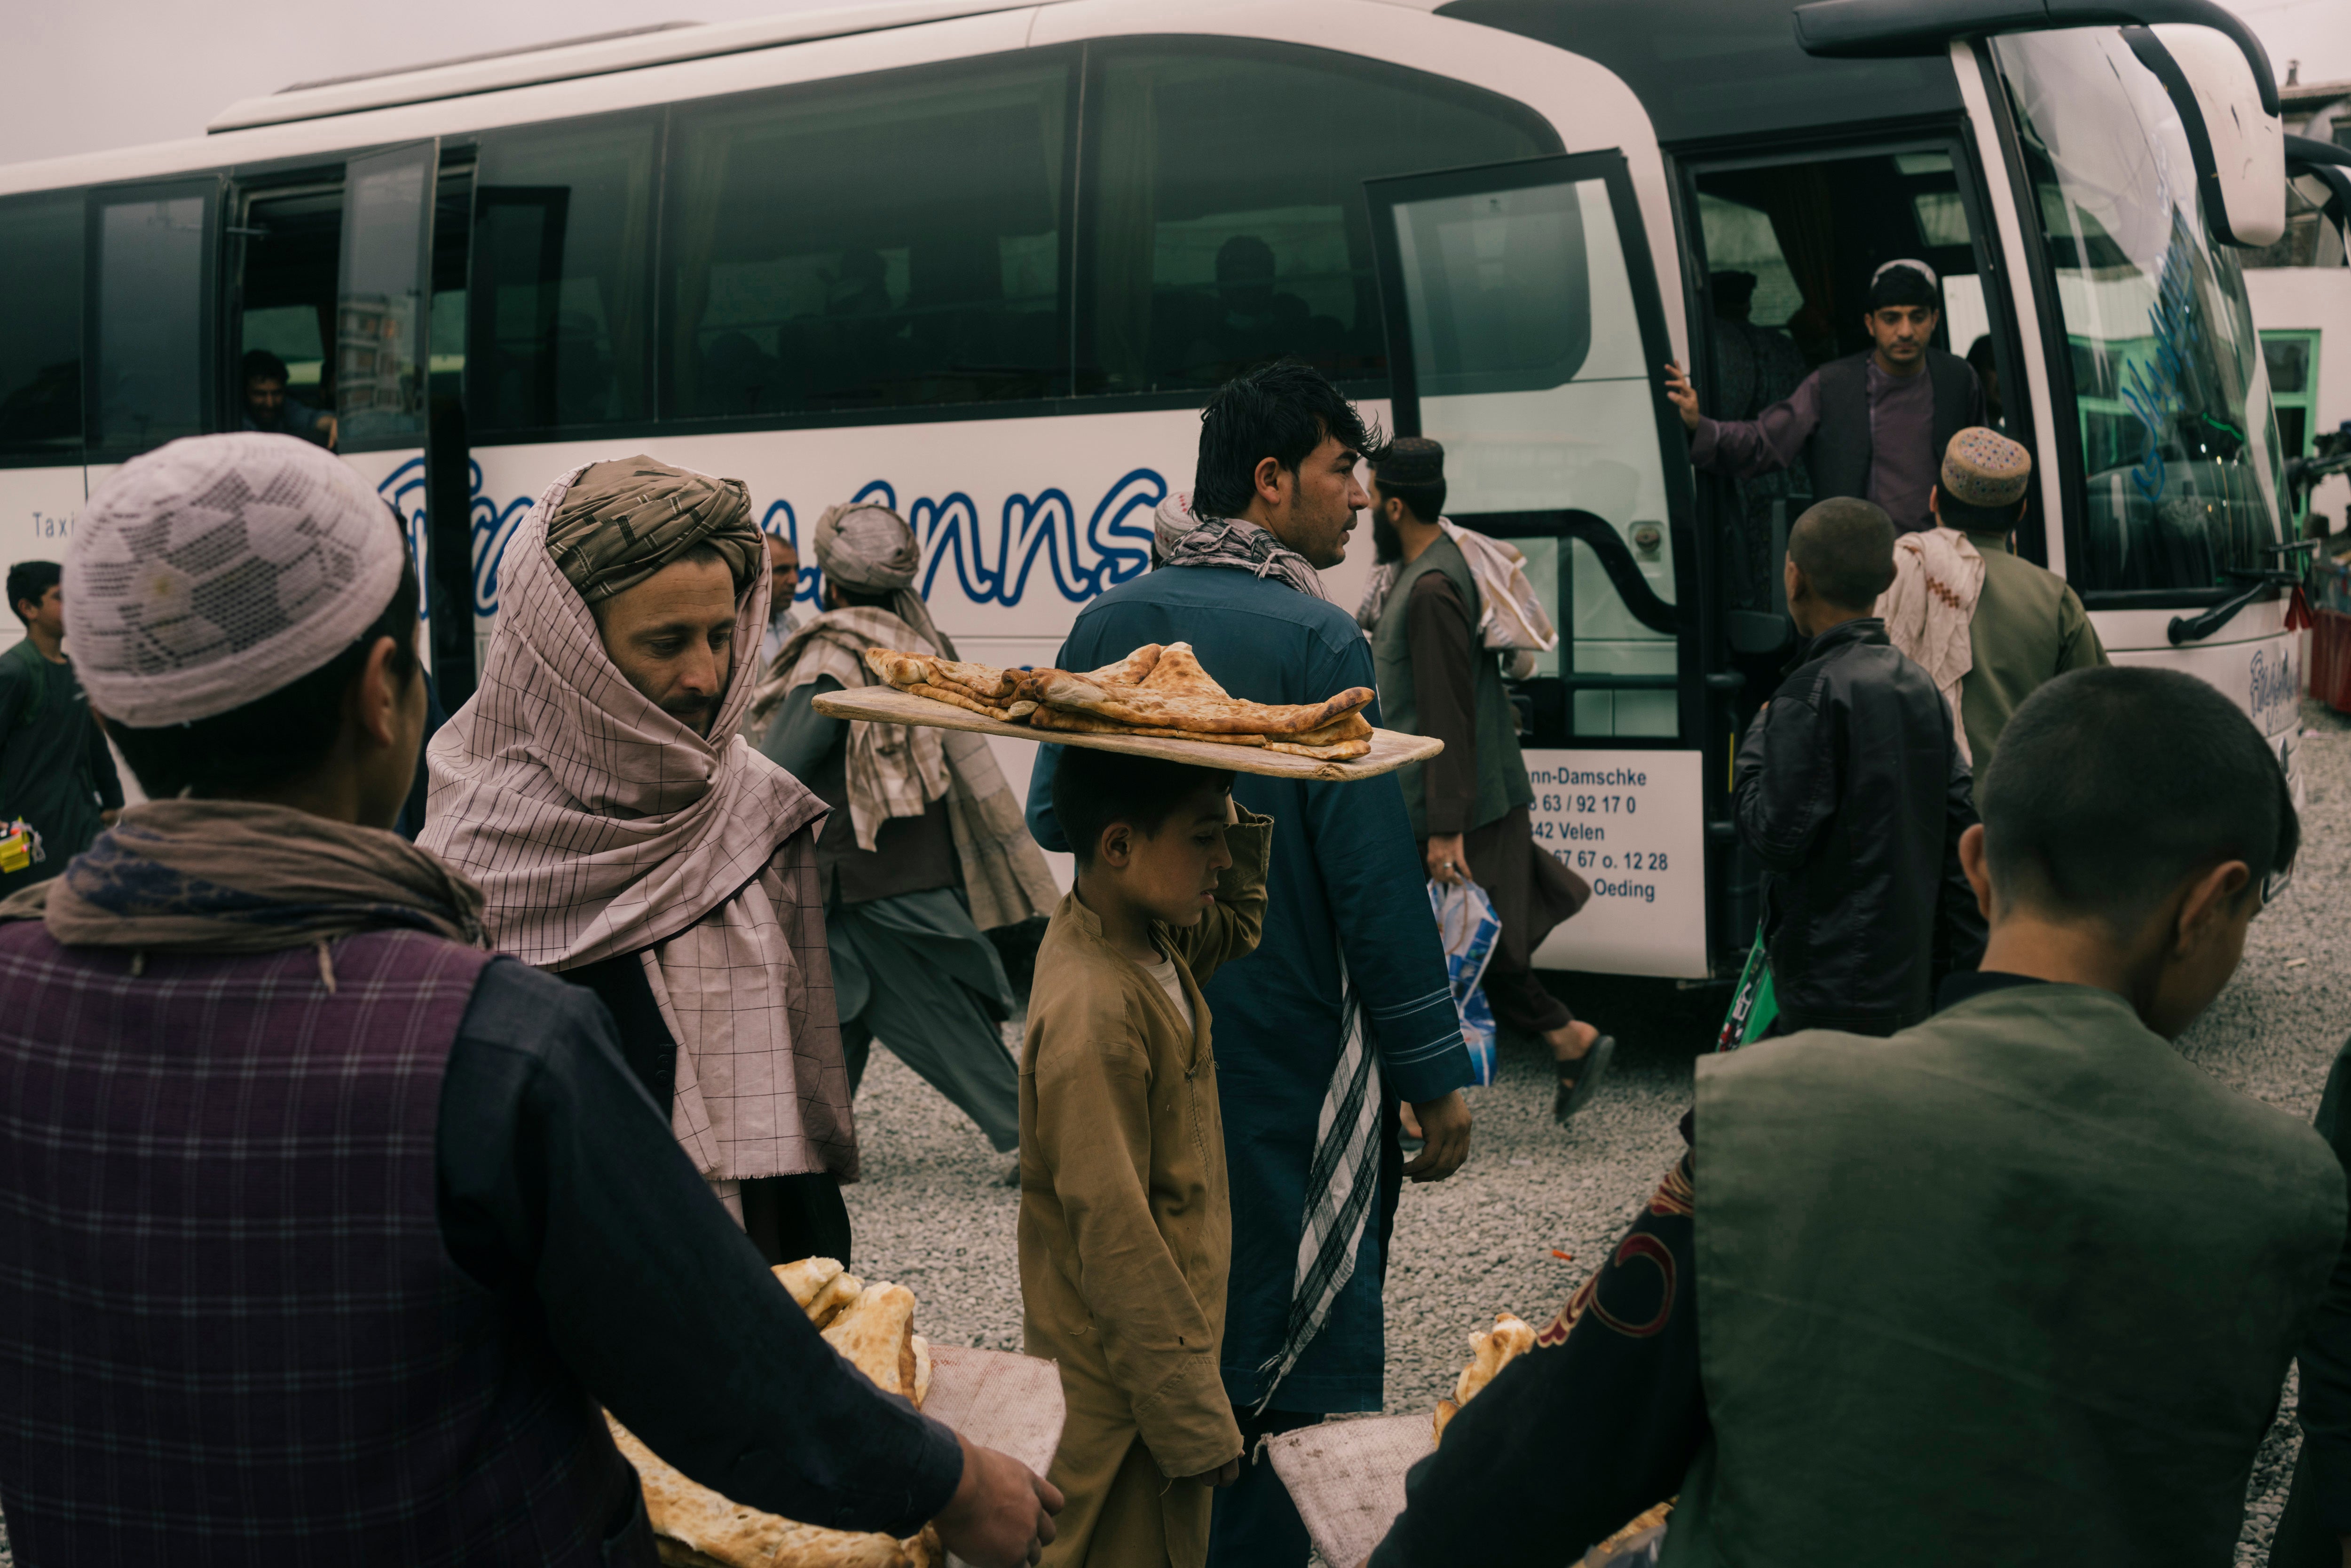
[[2180, 449]]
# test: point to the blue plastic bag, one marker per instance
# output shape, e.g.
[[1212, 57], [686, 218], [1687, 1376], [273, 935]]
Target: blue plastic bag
[[1467, 924]]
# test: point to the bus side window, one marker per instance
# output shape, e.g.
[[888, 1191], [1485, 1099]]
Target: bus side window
[[40, 330], [560, 312], [1226, 222], [882, 241]]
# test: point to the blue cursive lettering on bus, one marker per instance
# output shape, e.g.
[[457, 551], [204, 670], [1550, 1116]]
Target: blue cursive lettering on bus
[[2151, 388], [1113, 548], [2273, 685]]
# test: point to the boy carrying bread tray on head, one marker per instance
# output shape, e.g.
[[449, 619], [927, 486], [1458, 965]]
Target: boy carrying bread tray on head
[[1125, 1224]]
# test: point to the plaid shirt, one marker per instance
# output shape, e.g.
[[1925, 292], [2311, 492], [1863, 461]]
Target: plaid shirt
[[234, 1333]]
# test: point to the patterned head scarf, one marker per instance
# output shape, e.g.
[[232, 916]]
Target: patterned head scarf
[[870, 549], [623, 521]]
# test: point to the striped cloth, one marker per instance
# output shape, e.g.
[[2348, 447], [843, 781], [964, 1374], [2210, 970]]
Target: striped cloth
[[597, 824]]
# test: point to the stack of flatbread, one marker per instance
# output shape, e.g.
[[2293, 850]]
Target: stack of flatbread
[[873, 1327], [1490, 1352], [1154, 690]]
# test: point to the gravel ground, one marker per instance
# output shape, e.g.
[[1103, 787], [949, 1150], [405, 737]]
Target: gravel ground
[[933, 1212]]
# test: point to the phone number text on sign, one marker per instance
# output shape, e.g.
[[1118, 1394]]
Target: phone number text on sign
[[1630, 823]]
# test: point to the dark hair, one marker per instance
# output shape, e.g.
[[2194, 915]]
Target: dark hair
[[1902, 285], [1980, 357], [1093, 788], [275, 739], [2111, 786], [1425, 502], [1955, 513], [261, 365], [1280, 411], [1733, 290], [1844, 548], [31, 580]]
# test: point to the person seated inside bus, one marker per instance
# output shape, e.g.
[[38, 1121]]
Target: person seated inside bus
[[2020, 1284], [269, 408], [1754, 368], [1871, 425], [1981, 360], [1250, 319], [1850, 789]]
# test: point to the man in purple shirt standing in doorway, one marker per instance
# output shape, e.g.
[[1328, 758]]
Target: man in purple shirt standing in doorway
[[1872, 425]]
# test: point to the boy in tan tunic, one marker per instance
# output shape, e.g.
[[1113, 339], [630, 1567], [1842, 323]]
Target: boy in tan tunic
[[1125, 1222]]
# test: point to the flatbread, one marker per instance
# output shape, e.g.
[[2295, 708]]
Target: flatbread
[[1354, 727], [1140, 707], [1130, 671], [693, 1524], [1445, 1411], [922, 1368], [903, 670], [831, 1302], [1490, 1352], [1341, 752], [1002, 715], [1086, 724], [876, 1335], [1179, 670], [807, 1278]]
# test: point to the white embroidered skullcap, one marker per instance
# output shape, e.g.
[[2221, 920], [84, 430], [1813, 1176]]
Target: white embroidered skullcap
[[219, 569]]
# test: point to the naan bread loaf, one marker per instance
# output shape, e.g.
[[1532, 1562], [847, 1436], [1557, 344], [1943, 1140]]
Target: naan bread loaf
[[1001, 713], [876, 1334], [1339, 753], [1130, 671], [1087, 723], [986, 683], [805, 1277], [1490, 1352], [1179, 670], [829, 1302], [872, 1326], [1141, 706], [714, 1530]]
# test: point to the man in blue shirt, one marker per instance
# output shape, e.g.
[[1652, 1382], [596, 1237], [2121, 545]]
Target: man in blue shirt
[[1344, 1009], [269, 408]]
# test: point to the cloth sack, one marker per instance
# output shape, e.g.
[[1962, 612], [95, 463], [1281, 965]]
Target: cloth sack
[[1510, 615], [1468, 925]]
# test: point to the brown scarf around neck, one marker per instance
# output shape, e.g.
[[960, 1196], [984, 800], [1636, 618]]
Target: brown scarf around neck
[[238, 876]]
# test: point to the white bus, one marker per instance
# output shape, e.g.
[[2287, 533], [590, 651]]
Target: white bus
[[985, 260]]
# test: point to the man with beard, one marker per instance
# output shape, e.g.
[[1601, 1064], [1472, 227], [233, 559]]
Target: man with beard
[[1468, 804], [925, 846], [627, 838], [1344, 1007], [327, 1231], [1872, 426]]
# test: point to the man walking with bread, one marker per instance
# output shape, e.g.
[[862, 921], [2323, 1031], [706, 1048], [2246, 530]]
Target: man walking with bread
[[925, 849], [328, 1231], [1344, 1007]]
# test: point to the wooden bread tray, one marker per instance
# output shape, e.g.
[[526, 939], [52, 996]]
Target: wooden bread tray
[[887, 704]]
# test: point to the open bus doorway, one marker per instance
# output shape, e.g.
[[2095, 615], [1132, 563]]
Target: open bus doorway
[[285, 271]]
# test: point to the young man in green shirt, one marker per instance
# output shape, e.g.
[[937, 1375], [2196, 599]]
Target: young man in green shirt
[[2018, 1285], [56, 773]]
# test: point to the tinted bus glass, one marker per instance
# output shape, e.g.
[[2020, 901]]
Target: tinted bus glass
[[1227, 223], [880, 243], [153, 276], [40, 329], [560, 312], [2179, 451]]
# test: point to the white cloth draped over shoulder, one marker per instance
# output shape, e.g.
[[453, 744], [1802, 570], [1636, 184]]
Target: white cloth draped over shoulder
[[597, 825], [1931, 609]]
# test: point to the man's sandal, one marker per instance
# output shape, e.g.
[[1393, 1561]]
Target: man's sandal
[[1578, 1078]]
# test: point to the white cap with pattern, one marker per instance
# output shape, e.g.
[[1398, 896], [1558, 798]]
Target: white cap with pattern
[[216, 569]]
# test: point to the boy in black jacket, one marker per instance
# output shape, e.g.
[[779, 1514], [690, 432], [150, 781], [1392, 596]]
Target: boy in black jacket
[[1850, 789]]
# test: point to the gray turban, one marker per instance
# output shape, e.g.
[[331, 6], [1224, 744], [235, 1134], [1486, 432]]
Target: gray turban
[[870, 549]]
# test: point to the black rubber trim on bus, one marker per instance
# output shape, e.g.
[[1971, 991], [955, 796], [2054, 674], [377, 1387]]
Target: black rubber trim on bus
[[1615, 556], [1890, 29]]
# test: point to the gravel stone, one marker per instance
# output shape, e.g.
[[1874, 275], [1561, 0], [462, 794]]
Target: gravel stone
[[933, 1212]]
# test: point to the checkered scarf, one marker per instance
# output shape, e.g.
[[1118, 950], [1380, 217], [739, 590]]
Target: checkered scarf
[[597, 824], [1185, 538]]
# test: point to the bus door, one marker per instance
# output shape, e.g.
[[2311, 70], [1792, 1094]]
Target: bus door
[[1787, 244], [1524, 331], [381, 345]]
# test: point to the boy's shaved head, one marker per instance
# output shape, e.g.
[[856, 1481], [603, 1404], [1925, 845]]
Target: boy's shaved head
[[1844, 548]]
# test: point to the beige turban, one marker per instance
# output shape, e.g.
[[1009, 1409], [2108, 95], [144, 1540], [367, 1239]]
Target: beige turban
[[623, 521]]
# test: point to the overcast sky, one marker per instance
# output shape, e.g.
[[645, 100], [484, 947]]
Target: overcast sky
[[88, 74]]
